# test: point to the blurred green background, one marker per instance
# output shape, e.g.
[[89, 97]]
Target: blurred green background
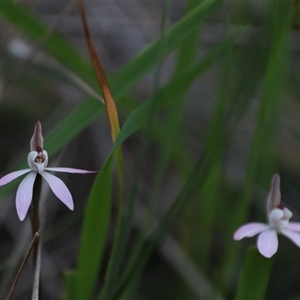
[[222, 82]]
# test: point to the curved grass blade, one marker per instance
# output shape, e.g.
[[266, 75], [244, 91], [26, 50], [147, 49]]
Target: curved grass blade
[[85, 287], [110, 105]]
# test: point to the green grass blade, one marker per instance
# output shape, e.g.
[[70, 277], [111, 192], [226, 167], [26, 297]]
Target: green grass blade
[[188, 49], [21, 17], [265, 130], [70, 283], [94, 230], [216, 141], [255, 276], [130, 74], [125, 217]]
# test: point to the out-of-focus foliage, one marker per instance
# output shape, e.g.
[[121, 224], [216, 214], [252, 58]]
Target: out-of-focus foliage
[[207, 93]]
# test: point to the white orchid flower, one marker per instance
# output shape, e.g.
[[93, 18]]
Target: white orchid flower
[[38, 161], [278, 217]]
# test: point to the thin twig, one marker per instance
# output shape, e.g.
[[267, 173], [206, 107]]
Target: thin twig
[[33, 243]]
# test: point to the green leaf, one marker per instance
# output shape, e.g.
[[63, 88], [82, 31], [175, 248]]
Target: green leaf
[[255, 276], [70, 283], [94, 230], [130, 74], [264, 136]]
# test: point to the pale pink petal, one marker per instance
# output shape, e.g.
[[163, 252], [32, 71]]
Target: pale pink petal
[[276, 216], [11, 176], [275, 195], [294, 226], [70, 170], [24, 195], [293, 236], [267, 243], [250, 230], [59, 189], [287, 213]]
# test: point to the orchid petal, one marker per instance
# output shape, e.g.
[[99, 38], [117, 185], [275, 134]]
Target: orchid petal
[[33, 161], [275, 216], [59, 189], [267, 243], [70, 170], [11, 176], [293, 236], [24, 195], [250, 230], [287, 213], [275, 195], [294, 226]]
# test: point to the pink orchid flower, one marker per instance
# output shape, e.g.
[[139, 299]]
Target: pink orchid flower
[[278, 217], [38, 161]]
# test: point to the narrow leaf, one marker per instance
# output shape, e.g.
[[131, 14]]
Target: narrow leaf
[[94, 231], [110, 105], [255, 276]]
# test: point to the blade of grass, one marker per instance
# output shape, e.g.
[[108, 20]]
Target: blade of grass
[[255, 276], [264, 132], [138, 67], [112, 114], [188, 50], [94, 230], [215, 147], [70, 284], [111, 109], [120, 244]]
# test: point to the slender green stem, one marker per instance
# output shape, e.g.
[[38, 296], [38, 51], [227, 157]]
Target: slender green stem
[[34, 209], [35, 225]]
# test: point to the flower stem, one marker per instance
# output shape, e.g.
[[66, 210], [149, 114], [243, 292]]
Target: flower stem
[[35, 225], [34, 213], [37, 273]]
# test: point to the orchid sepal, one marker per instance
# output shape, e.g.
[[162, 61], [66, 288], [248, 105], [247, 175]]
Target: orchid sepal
[[70, 170], [12, 176]]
